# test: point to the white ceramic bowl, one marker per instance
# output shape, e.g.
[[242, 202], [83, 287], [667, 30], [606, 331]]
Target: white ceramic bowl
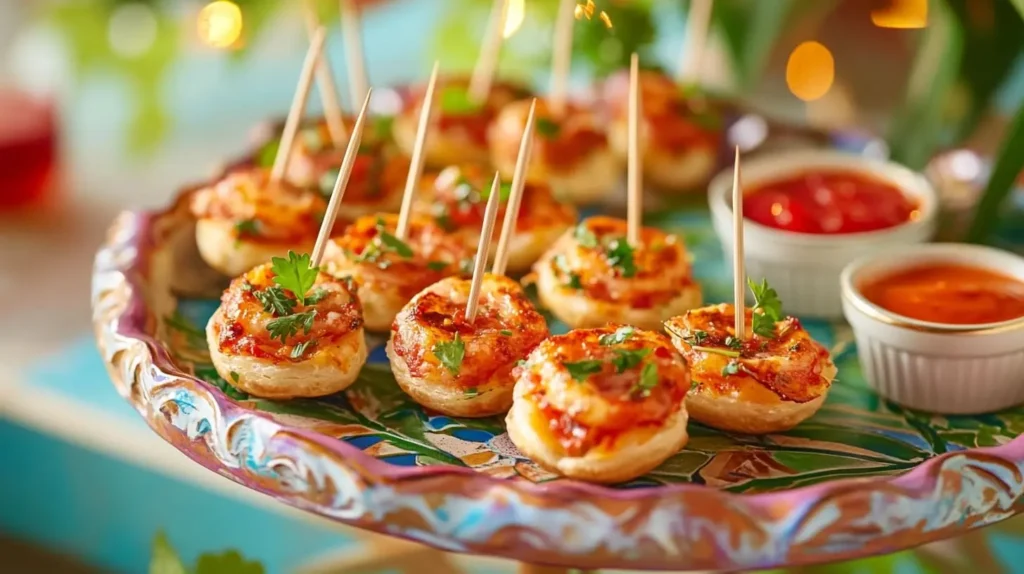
[[804, 268], [952, 369]]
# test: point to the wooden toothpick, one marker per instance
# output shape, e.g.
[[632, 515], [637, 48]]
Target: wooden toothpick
[[698, 22], [416, 162], [515, 198], [561, 56], [482, 248], [634, 181], [739, 287], [291, 125], [351, 25], [325, 83], [490, 52], [341, 183]]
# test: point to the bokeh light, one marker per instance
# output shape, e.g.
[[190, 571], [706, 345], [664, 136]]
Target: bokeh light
[[514, 15], [810, 71], [220, 24], [901, 14]]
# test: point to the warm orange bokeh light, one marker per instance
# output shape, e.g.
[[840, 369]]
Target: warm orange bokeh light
[[902, 14], [810, 71]]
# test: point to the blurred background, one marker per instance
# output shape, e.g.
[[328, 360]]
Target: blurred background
[[115, 104]]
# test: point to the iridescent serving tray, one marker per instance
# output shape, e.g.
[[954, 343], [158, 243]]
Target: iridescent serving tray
[[864, 476]]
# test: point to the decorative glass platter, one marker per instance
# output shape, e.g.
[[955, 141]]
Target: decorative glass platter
[[863, 476]]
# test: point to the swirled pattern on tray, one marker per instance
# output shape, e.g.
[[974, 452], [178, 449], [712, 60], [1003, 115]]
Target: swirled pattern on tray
[[373, 458]]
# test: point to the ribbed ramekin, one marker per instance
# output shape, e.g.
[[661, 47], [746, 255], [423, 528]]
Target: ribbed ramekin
[[951, 369], [804, 268]]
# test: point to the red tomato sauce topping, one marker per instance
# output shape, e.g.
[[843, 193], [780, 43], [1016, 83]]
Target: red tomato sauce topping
[[829, 202], [949, 293]]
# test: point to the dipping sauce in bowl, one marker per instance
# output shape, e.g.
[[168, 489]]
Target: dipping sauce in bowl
[[829, 202], [951, 294]]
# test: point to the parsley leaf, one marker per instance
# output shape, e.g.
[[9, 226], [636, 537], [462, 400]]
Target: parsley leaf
[[234, 376], [382, 126], [696, 338], [767, 301], [731, 368], [299, 350], [505, 333], [548, 128], [562, 267], [733, 343], [295, 274], [626, 360], [455, 101], [248, 228], [451, 353], [648, 380], [585, 237], [620, 254], [284, 327], [619, 336], [504, 190], [395, 244], [275, 301], [580, 370], [316, 296], [471, 392], [437, 265]]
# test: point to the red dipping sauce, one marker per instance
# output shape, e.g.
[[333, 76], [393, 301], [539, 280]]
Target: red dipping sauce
[[828, 203]]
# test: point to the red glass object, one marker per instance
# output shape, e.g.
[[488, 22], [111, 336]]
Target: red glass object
[[28, 150]]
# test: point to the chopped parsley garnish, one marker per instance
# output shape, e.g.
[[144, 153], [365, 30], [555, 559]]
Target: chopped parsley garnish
[[733, 343], [626, 360], [382, 126], [505, 333], [437, 265], [284, 327], [395, 244], [471, 392], [450, 354], [248, 228], [384, 242], [584, 236], [620, 254], [731, 368], [275, 301], [548, 128], [299, 350], [696, 338], [295, 274], [619, 336], [562, 267], [580, 370], [504, 190], [455, 101], [648, 380], [766, 300], [234, 376], [316, 296]]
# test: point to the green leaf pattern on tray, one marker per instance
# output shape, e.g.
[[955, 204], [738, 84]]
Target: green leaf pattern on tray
[[856, 433]]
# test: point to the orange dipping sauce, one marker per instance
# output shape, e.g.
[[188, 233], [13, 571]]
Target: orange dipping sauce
[[829, 201], [949, 293]]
